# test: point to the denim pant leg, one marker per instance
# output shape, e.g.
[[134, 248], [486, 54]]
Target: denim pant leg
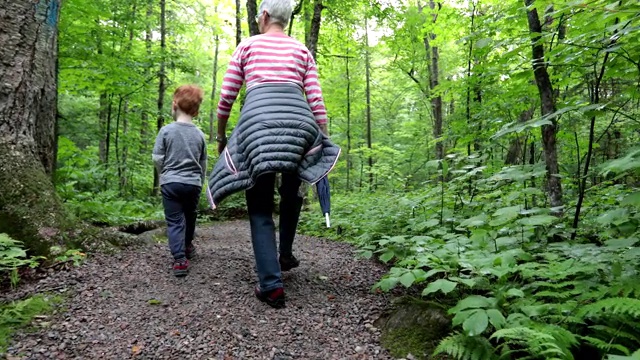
[[263, 233], [174, 215], [290, 206], [190, 205]]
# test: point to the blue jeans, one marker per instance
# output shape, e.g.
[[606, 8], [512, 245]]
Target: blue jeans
[[260, 203], [180, 202]]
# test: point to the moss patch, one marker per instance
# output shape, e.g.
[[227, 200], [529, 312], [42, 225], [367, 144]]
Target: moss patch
[[19, 314], [413, 327]]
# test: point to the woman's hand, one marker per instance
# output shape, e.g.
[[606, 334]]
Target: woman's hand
[[222, 143]]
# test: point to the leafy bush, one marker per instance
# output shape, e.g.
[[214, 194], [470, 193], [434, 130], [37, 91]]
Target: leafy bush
[[12, 257], [515, 283]]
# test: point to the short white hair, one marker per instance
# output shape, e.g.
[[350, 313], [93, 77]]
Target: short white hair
[[279, 11]]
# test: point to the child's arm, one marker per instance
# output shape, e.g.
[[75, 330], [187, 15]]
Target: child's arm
[[203, 159], [159, 152]]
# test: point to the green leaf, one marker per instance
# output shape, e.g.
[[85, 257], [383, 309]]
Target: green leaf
[[513, 292], [631, 200], [538, 220], [472, 302], [496, 318], [443, 285], [476, 324], [475, 221], [407, 279], [387, 256], [622, 243]]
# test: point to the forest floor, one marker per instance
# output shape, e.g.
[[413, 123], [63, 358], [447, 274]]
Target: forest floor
[[129, 305]]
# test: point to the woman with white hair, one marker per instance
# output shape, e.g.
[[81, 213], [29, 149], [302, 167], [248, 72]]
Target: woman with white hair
[[282, 129]]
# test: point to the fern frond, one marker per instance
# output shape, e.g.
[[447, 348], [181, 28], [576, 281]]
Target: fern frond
[[612, 306], [538, 343], [615, 333], [605, 346], [463, 347]]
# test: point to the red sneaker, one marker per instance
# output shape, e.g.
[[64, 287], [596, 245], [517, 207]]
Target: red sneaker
[[180, 267], [273, 298]]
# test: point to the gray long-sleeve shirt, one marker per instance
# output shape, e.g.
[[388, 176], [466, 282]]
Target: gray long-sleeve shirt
[[180, 154]]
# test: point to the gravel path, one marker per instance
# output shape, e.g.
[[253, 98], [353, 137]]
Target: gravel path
[[130, 305]]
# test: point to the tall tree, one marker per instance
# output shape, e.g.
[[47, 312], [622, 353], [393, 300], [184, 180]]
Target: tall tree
[[548, 106], [161, 86], [434, 82], [368, 96], [29, 208]]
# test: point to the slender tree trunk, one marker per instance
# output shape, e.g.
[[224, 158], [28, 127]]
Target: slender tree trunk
[[348, 122], [314, 30], [595, 99], [252, 11], [107, 143], [144, 126], [161, 87], [434, 74], [368, 95], [238, 22], [514, 155], [117, 144], [212, 112], [102, 116], [548, 107], [122, 171], [469, 60], [296, 11]]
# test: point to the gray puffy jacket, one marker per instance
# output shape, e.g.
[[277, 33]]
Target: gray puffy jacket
[[276, 133]]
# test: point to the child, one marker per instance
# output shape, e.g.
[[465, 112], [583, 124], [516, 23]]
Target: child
[[180, 155]]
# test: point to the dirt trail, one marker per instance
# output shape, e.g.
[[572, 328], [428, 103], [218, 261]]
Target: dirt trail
[[129, 305]]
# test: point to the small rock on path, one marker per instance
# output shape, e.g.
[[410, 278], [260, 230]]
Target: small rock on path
[[129, 305]]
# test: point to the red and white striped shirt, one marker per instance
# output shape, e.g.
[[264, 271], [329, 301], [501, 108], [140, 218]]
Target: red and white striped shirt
[[272, 58]]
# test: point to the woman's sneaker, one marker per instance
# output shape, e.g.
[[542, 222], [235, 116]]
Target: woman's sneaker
[[288, 262], [180, 267], [273, 298]]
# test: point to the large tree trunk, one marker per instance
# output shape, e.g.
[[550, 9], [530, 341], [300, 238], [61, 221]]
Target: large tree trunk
[[30, 211], [252, 11], [548, 106], [29, 208]]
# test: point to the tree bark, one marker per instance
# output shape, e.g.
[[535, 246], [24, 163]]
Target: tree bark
[[161, 87], [252, 11], [314, 30], [548, 106], [238, 22]]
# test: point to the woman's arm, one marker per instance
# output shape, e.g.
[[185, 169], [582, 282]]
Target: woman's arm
[[314, 94], [231, 85]]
